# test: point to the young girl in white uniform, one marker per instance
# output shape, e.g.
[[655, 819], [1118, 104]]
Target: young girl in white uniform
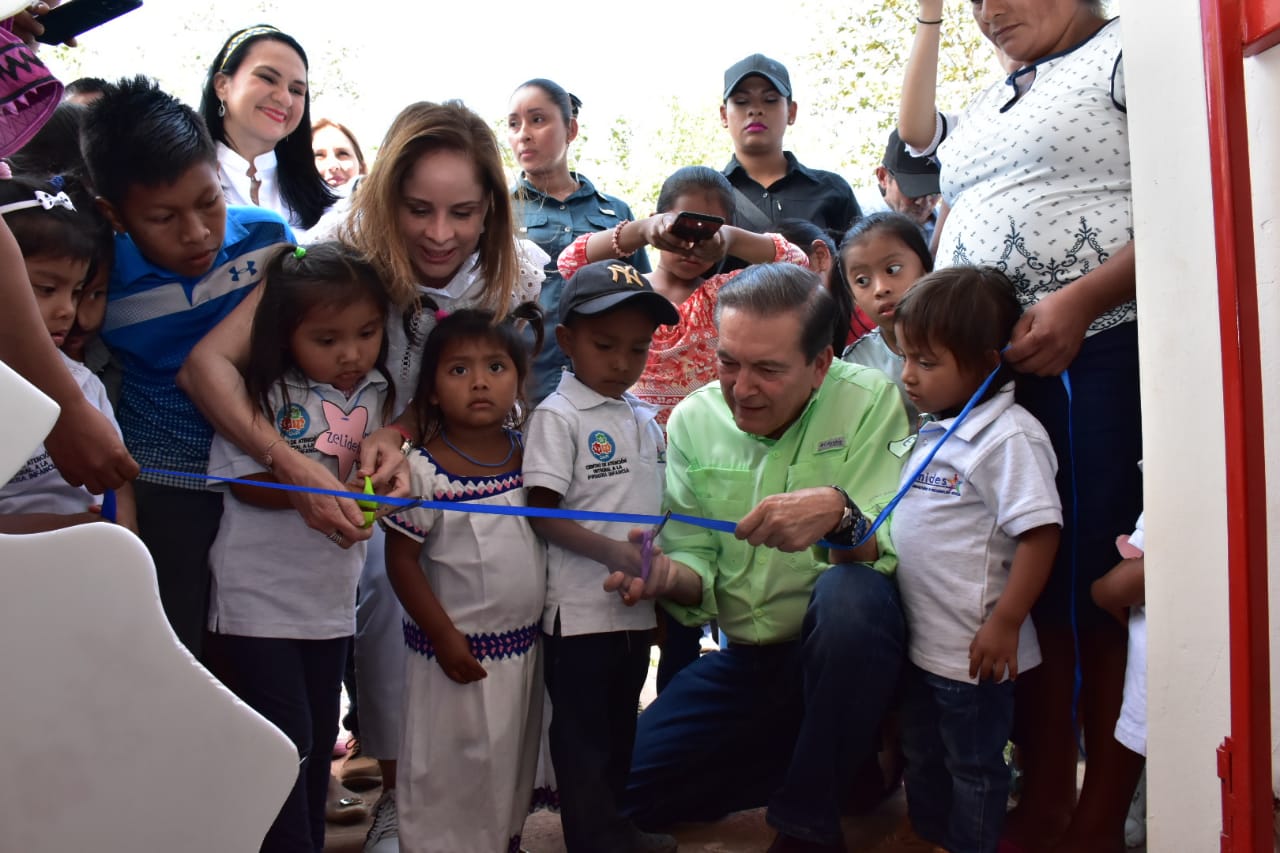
[[472, 586], [282, 599]]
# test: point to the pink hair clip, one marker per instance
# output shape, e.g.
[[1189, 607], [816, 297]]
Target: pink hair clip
[[441, 314]]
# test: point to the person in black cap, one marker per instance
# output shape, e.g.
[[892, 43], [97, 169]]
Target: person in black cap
[[909, 185], [593, 445], [770, 183]]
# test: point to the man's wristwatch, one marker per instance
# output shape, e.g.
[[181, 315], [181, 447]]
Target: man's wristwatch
[[853, 525]]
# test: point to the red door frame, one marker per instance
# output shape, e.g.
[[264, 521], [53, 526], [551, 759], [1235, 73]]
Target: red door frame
[[1230, 29]]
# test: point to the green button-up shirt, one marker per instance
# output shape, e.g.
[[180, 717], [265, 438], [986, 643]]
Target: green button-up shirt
[[850, 434]]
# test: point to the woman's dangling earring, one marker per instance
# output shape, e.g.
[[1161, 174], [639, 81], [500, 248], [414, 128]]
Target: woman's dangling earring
[[222, 108]]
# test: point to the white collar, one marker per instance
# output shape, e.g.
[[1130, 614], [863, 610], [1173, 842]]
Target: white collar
[[238, 166], [581, 397], [979, 417]]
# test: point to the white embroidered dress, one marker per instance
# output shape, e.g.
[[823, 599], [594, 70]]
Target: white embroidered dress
[[469, 753]]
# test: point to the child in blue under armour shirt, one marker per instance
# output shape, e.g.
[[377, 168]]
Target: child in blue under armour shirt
[[183, 261]]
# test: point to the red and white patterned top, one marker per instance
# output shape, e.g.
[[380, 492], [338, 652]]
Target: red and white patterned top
[[683, 357]]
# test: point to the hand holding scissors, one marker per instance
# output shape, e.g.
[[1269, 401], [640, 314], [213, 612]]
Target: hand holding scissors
[[646, 545]]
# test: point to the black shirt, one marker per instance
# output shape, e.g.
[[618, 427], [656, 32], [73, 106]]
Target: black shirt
[[823, 198]]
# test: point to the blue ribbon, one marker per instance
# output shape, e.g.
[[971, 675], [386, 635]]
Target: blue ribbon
[[591, 515], [463, 506]]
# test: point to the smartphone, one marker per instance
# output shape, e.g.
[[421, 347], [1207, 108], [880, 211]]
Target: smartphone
[[71, 19], [695, 227]]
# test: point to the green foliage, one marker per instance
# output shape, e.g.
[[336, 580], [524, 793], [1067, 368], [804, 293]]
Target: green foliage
[[858, 64], [640, 156]]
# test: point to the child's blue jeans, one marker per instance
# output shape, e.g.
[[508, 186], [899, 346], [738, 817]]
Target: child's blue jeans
[[953, 737]]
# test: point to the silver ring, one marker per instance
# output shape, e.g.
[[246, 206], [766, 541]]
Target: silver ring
[[336, 538]]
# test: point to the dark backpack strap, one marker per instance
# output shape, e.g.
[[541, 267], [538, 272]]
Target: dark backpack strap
[[746, 211]]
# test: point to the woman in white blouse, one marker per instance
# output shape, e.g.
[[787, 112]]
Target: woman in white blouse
[[258, 109]]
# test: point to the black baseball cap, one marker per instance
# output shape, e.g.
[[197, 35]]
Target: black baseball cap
[[760, 65], [916, 176], [604, 285]]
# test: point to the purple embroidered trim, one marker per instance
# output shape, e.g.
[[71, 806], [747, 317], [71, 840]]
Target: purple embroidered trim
[[483, 646], [544, 797]]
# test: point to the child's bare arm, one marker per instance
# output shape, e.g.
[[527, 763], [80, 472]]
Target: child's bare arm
[[41, 522], [617, 556], [453, 652], [126, 508], [995, 646], [260, 497], [1121, 588]]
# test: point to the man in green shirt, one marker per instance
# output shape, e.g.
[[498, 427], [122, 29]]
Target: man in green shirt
[[791, 709]]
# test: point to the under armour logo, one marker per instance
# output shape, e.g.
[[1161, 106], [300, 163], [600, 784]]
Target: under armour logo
[[249, 269], [629, 274]]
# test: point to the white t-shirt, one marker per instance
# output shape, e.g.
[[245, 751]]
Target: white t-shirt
[[1131, 727], [38, 487], [603, 454], [870, 350], [956, 529], [272, 575]]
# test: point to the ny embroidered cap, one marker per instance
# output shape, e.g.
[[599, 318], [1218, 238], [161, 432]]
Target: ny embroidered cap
[[758, 64], [916, 176], [604, 285]]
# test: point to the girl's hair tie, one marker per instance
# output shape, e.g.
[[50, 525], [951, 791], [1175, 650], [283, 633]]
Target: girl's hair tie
[[441, 314], [42, 199], [299, 252]]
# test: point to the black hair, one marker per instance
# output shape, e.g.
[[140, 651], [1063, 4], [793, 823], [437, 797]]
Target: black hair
[[86, 86], [55, 148], [768, 290], [566, 102], [301, 186], [58, 231], [324, 275], [894, 224], [968, 311], [138, 134], [471, 324], [804, 234], [689, 179]]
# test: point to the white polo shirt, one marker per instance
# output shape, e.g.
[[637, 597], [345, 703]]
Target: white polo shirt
[[272, 575], [956, 529], [603, 454]]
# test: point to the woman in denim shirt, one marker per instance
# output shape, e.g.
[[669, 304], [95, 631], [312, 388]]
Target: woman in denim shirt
[[555, 205]]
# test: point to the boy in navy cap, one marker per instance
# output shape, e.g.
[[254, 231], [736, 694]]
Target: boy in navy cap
[[770, 183], [592, 445]]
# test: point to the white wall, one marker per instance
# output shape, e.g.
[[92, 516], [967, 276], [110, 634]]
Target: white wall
[[1262, 82], [1182, 423]]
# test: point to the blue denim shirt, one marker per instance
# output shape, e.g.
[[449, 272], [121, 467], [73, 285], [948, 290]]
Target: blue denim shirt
[[553, 225]]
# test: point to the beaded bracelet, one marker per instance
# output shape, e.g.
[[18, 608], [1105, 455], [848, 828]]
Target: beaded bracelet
[[923, 21], [617, 245]]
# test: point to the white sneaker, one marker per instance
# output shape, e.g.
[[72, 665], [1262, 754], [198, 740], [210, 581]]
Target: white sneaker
[[384, 834]]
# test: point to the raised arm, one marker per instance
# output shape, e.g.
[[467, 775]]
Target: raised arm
[[211, 377], [918, 110]]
